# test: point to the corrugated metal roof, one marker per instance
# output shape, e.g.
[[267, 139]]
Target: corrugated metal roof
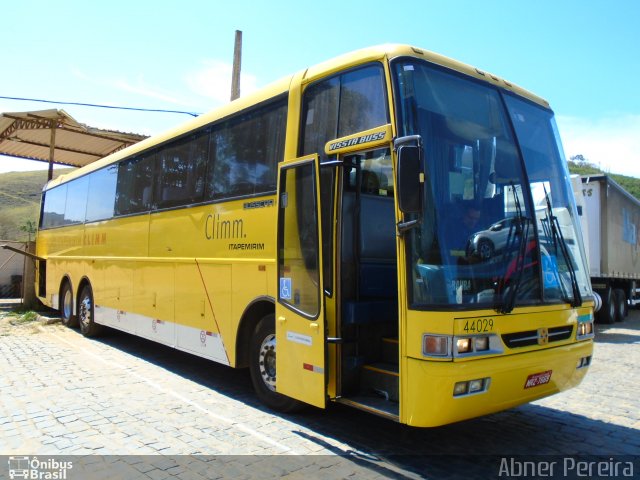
[[29, 135]]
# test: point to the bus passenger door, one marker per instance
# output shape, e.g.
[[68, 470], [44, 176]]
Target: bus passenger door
[[300, 323]]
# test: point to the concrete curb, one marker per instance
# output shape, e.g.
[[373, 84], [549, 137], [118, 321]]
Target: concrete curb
[[48, 320]]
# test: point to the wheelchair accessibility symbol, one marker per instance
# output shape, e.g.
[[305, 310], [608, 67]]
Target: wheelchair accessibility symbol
[[285, 288], [550, 271]]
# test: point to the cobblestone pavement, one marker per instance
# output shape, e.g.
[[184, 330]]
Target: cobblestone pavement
[[62, 394]]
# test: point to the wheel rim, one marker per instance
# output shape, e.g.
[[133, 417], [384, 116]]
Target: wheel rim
[[268, 362], [485, 250], [67, 304], [84, 313]]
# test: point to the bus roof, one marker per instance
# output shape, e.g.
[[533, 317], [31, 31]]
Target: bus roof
[[358, 57]]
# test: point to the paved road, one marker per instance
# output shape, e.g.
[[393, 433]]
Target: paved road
[[62, 394]]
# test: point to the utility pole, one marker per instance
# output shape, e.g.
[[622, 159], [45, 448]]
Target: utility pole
[[237, 61]]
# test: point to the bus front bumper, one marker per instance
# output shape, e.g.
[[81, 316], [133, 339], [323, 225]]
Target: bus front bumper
[[429, 399]]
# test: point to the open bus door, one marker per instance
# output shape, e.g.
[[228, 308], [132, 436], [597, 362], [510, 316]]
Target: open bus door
[[300, 323]]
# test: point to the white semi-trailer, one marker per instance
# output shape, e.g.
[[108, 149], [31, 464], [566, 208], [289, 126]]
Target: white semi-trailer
[[610, 217]]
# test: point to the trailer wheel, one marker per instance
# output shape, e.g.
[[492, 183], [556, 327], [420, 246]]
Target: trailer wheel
[[620, 301], [607, 313], [262, 367]]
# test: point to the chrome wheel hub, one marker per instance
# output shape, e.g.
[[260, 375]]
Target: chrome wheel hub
[[268, 362], [84, 313], [67, 306]]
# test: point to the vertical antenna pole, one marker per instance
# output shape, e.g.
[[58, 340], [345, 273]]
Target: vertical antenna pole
[[237, 61]]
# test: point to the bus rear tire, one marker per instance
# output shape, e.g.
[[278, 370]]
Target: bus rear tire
[[262, 366], [66, 306], [86, 314]]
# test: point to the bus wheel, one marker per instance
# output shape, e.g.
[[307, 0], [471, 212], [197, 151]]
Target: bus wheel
[[620, 301], [86, 310], [262, 366], [66, 306], [607, 313]]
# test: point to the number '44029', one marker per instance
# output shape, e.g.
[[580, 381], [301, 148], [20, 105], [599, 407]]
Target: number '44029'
[[479, 325]]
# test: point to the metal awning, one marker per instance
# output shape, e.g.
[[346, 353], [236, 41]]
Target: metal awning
[[54, 136]]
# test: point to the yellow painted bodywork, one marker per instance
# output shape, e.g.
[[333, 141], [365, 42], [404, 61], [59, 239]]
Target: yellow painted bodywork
[[187, 266], [427, 383], [300, 321], [427, 393]]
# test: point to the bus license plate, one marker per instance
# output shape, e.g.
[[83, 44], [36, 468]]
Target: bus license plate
[[536, 379]]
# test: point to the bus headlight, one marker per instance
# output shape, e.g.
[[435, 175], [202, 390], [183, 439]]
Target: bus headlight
[[446, 346], [463, 345], [477, 345], [481, 344]]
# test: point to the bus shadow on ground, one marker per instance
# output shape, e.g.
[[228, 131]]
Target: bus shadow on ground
[[474, 446]]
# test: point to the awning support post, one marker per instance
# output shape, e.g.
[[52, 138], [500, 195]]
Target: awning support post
[[52, 149]]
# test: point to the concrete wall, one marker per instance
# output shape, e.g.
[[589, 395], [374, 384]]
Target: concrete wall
[[11, 270]]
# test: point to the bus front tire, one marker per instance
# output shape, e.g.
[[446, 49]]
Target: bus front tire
[[86, 314], [66, 306], [262, 366]]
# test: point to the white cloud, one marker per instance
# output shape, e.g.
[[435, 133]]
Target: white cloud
[[611, 142], [213, 81], [140, 87]]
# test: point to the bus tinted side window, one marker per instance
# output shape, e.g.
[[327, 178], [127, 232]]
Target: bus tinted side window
[[76, 207], [244, 153], [135, 180], [181, 173], [55, 201], [102, 193]]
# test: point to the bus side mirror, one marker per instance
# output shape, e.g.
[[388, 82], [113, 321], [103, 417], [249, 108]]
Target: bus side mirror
[[409, 179]]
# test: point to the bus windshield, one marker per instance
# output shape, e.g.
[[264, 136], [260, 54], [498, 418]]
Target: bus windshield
[[487, 236]]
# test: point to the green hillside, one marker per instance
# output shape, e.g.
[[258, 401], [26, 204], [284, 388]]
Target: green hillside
[[20, 201], [630, 184]]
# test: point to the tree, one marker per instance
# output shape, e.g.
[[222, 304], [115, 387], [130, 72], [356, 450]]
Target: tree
[[29, 227], [578, 158]]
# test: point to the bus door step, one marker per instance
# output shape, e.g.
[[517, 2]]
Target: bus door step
[[381, 379]]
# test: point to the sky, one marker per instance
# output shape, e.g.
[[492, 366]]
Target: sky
[[583, 56]]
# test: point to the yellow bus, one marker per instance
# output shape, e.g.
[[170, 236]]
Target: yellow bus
[[397, 225]]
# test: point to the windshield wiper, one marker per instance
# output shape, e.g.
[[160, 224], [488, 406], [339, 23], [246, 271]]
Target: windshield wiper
[[522, 226], [559, 241]]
